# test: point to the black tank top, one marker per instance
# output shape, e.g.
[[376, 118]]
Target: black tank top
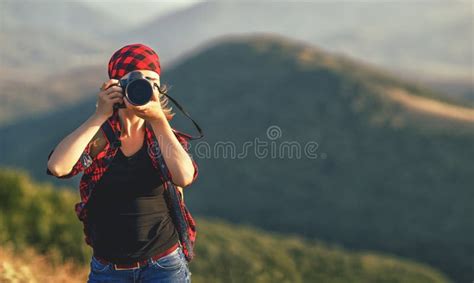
[[128, 219]]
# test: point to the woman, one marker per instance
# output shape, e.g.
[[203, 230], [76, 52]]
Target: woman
[[124, 208]]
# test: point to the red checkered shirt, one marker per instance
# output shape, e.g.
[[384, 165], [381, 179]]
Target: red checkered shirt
[[94, 168]]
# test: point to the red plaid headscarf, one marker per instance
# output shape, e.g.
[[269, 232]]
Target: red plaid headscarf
[[133, 57]]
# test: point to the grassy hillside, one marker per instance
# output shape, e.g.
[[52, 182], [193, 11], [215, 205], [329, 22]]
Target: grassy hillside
[[390, 177], [34, 214]]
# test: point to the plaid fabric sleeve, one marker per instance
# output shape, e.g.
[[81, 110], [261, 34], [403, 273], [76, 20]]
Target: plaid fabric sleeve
[[82, 163], [184, 141]]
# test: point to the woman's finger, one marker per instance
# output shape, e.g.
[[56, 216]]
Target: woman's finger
[[113, 89], [114, 94], [141, 107], [117, 99], [108, 83]]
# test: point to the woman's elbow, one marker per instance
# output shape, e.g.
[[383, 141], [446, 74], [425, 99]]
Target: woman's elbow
[[183, 179], [56, 170]]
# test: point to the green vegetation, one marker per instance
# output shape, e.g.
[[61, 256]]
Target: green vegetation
[[35, 215], [389, 181], [40, 216]]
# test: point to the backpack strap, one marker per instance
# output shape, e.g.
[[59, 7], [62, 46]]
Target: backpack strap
[[110, 134], [157, 154], [175, 202]]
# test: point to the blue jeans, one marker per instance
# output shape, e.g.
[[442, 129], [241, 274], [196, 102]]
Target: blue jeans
[[170, 268]]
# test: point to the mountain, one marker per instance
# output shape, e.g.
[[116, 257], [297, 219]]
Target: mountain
[[138, 11], [460, 89], [42, 40], [25, 99], [433, 38], [57, 16], [45, 37], [393, 167], [36, 215]]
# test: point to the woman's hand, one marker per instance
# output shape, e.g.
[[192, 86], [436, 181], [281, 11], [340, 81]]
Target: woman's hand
[[110, 94], [151, 111]]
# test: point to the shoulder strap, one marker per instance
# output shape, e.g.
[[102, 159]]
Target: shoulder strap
[[155, 150], [110, 134]]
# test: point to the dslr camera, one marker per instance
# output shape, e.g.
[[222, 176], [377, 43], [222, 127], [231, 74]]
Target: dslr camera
[[136, 88]]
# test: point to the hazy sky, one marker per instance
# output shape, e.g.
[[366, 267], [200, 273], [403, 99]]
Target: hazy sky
[[139, 11]]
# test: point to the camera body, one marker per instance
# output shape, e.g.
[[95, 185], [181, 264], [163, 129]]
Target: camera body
[[137, 89]]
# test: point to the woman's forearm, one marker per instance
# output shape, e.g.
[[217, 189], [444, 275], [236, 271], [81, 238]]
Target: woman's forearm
[[68, 151], [177, 159]]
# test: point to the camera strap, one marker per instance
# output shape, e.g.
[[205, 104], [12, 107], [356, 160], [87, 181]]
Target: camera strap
[[188, 116]]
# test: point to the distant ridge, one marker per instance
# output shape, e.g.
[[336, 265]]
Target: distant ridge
[[410, 37], [431, 106]]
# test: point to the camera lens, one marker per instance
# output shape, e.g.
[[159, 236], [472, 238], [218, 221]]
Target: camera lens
[[139, 92]]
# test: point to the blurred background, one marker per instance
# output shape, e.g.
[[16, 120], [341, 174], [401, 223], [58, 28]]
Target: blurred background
[[384, 88]]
